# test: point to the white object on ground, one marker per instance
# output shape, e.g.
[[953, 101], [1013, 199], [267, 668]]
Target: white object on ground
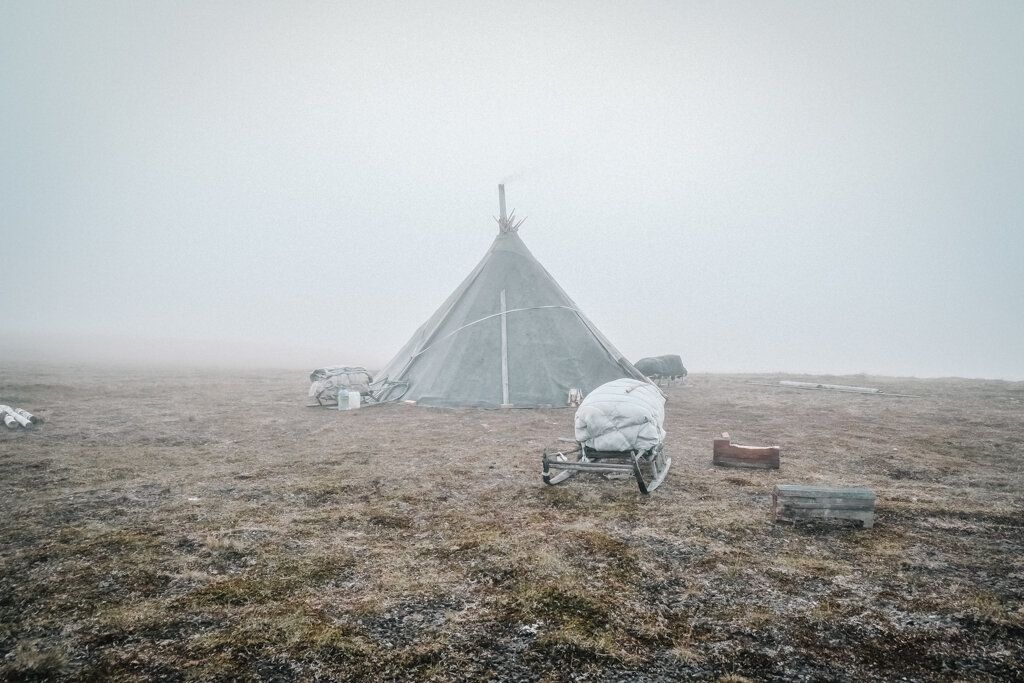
[[833, 387], [352, 401], [10, 421], [22, 420], [622, 415]]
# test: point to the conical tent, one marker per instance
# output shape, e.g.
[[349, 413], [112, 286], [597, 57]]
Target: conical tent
[[508, 335]]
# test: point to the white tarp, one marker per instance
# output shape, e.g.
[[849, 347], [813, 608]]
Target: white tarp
[[325, 383], [622, 415]]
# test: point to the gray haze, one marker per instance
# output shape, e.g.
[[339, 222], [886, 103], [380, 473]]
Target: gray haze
[[820, 187]]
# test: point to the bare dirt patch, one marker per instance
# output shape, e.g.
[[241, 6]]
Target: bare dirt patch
[[170, 524]]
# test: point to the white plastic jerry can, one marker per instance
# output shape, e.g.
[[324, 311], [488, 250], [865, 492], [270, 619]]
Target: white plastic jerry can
[[348, 400]]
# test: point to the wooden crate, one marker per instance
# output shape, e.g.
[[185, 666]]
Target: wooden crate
[[794, 502], [727, 454]]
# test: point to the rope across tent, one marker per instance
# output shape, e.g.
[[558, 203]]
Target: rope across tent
[[488, 317]]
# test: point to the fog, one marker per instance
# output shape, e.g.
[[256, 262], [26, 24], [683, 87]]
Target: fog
[[804, 187]]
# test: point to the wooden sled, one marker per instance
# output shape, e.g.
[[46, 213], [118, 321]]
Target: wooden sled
[[647, 467]]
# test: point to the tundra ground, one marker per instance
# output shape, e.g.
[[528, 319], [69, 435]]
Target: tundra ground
[[168, 524]]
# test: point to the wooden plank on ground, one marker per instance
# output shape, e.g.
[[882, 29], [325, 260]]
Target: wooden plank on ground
[[727, 454], [794, 502]]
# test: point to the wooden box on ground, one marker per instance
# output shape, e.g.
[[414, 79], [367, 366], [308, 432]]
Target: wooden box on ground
[[794, 502], [728, 454]]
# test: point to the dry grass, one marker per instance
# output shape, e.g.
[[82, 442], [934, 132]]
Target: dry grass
[[206, 526]]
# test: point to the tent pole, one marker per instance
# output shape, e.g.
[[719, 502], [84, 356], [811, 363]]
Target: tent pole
[[504, 344], [503, 223]]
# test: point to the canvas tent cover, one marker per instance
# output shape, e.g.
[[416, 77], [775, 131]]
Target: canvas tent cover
[[456, 358]]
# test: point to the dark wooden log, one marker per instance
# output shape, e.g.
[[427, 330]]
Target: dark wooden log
[[727, 454]]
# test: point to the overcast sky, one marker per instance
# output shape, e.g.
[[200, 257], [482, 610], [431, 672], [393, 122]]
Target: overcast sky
[[806, 187]]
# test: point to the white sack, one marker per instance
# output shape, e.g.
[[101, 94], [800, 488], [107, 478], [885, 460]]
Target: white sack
[[622, 415], [12, 412]]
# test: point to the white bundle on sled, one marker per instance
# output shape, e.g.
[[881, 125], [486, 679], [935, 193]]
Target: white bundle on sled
[[622, 415], [619, 432], [327, 382]]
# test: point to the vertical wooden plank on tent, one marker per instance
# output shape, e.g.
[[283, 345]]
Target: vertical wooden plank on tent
[[504, 352]]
